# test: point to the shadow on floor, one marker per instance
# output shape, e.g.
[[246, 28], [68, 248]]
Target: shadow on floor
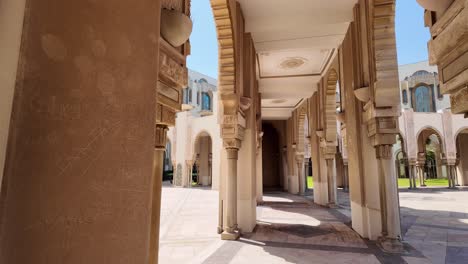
[[293, 229]]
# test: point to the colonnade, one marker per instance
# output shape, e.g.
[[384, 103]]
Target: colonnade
[[100, 95]]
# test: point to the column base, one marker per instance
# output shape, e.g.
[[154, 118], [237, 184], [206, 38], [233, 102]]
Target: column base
[[230, 236], [332, 205], [220, 230], [391, 245]]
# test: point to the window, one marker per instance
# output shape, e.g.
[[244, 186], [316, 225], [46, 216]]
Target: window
[[422, 99], [405, 97], [206, 101]]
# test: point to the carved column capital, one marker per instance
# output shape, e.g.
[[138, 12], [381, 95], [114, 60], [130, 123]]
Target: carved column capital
[[232, 143], [299, 158], [232, 153], [382, 124], [328, 149], [383, 152], [160, 138]]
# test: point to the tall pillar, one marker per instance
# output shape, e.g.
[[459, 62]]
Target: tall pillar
[[158, 163], [230, 230], [450, 176], [259, 173], [81, 145], [412, 178], [420, 163], [300, 173], [388, 193], [331, 181], [346, 176], [284, 160]]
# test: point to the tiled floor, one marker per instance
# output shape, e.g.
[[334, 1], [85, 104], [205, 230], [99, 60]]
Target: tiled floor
[[435, 222], [291, 229]]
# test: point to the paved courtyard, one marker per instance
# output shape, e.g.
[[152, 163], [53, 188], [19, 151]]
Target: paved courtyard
[[291, 229]]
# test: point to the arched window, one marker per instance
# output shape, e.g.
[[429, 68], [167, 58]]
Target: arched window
[[206, 101], [405, 97], [422, 99]]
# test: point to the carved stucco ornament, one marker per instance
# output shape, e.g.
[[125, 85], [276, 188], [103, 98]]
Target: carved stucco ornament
[[245, 103], [176, 27], [435, 5], [362, 94]]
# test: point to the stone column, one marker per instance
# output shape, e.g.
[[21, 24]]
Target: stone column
[[388, 192], [230, 230], [420, 163], [412, 178], [421, 175], [306, 172], [331, 182], [346, 177], [450, 176], [158, 163], [300, 173], [259, 173]]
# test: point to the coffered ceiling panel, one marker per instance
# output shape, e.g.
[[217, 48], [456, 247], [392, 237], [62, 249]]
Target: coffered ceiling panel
[[300, 62]]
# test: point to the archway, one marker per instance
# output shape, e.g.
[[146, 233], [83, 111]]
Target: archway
[[401, 158], [271, 157], [461, 140], [202, 169], [431, 156]]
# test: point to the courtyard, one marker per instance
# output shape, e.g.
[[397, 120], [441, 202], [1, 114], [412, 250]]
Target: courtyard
[[292, 229]]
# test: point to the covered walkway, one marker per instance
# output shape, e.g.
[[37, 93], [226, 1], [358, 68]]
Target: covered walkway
[[290, 229]]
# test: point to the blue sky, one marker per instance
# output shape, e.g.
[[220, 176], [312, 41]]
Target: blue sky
[[411, 34]]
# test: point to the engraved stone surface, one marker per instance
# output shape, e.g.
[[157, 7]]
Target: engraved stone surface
[[79, 165]]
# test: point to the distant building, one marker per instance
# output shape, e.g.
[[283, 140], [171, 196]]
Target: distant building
[[431, 137], [194, 143]]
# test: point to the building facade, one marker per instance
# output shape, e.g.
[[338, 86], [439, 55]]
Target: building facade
[[432, 140], [195, 141]]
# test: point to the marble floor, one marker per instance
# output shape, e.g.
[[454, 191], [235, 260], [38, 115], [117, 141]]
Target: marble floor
[[292, 229]]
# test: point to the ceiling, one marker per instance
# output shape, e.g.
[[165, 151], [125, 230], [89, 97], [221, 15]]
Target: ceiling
[[295, 41]]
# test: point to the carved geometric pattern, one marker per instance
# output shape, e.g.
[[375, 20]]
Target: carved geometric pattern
[[300, 130], [330, 106], [178, 177], [224, 29], [384, 51]]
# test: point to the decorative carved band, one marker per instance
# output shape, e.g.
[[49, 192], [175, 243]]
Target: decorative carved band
[[224, 28], [386, 90], [383, 152], [459, 101], [171, 72], [330, 106], [165, 115], [232, 153], [160, 139]]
